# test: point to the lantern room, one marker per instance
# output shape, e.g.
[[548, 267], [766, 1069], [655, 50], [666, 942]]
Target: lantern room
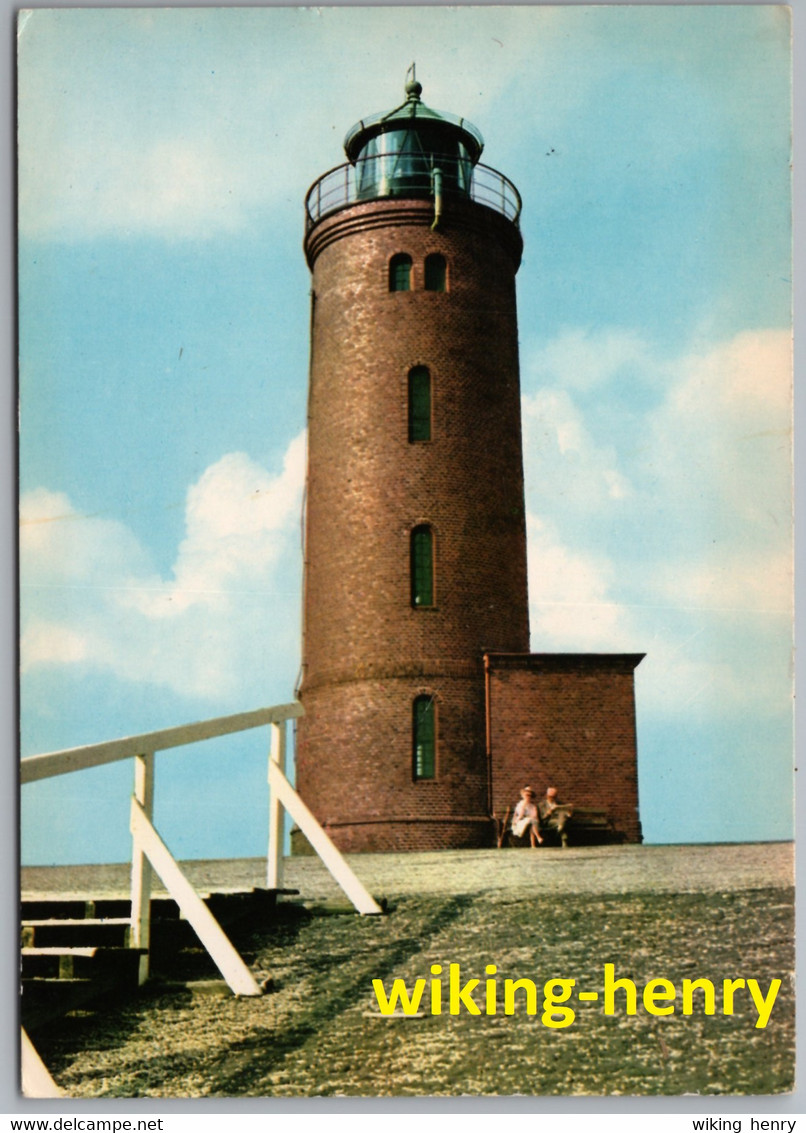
[[412, 150]]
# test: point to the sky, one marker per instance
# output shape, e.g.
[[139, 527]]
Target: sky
[[164, 155]]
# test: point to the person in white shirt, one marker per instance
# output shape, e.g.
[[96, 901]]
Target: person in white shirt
[[526, 817]]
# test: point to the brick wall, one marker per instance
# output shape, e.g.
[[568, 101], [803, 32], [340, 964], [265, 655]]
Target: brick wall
[[363, 778], [366, 652], [568, 721]]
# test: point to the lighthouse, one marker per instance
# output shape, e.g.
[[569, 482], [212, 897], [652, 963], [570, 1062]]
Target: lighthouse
[[415, 580]]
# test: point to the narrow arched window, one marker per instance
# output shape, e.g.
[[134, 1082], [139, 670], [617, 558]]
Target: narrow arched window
[[436, 272], [419, 404], [422, 567], [424, 738], [400, 272]]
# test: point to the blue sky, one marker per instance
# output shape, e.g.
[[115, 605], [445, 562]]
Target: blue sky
[[164, 157]]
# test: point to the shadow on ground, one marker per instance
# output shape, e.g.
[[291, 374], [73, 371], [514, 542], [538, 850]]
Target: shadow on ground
[[320, 1032]]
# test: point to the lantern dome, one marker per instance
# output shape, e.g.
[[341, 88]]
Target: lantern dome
[[434, 128], [398, 152]]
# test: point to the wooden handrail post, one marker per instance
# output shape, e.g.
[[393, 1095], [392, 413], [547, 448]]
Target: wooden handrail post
[[321, 843], [36, 1079], [202, 921], [140, 933], [274, 871]]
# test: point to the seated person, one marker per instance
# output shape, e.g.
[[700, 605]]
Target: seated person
[[526, 818], [554, 814]]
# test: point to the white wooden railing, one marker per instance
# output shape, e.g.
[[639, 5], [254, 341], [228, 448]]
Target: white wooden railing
[[150, 853]]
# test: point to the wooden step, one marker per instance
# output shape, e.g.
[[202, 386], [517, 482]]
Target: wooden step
[[82, 942], [56, 962], [44, 997], [72, 963], [71, 908], [230, 907], [84, 975], [46, 909], [88, 931]]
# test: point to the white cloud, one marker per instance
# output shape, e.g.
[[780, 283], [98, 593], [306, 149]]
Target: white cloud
[[570, 604], [51, 539], [759, 582], [182, 127], [172, 186], [89, 596], [673, 536], [566, 469], [580, 358], [721, 441], [45, 643], [235, 520]]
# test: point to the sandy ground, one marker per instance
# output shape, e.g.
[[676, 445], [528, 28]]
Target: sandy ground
[[674, 913], [600, 869]]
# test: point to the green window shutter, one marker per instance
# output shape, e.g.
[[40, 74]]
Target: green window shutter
[[424, 738], [422, 567], [436, 272], [400, 272], [419, 404]]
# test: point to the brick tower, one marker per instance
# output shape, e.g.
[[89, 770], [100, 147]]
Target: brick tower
[[415, 553]]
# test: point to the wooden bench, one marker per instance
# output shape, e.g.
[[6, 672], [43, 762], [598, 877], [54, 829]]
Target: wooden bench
[[587, 826]]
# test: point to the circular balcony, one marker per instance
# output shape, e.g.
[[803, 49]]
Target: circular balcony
[[397, 175]]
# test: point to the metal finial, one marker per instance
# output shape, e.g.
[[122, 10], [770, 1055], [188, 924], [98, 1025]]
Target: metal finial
[[413, 88]]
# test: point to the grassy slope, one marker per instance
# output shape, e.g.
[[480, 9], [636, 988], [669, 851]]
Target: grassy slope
[[321, 1033]]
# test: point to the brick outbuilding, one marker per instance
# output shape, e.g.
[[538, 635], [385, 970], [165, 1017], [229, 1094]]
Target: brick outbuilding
[[565, 720]]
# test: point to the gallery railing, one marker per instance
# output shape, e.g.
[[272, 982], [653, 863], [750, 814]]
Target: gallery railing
[[400, 174]]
